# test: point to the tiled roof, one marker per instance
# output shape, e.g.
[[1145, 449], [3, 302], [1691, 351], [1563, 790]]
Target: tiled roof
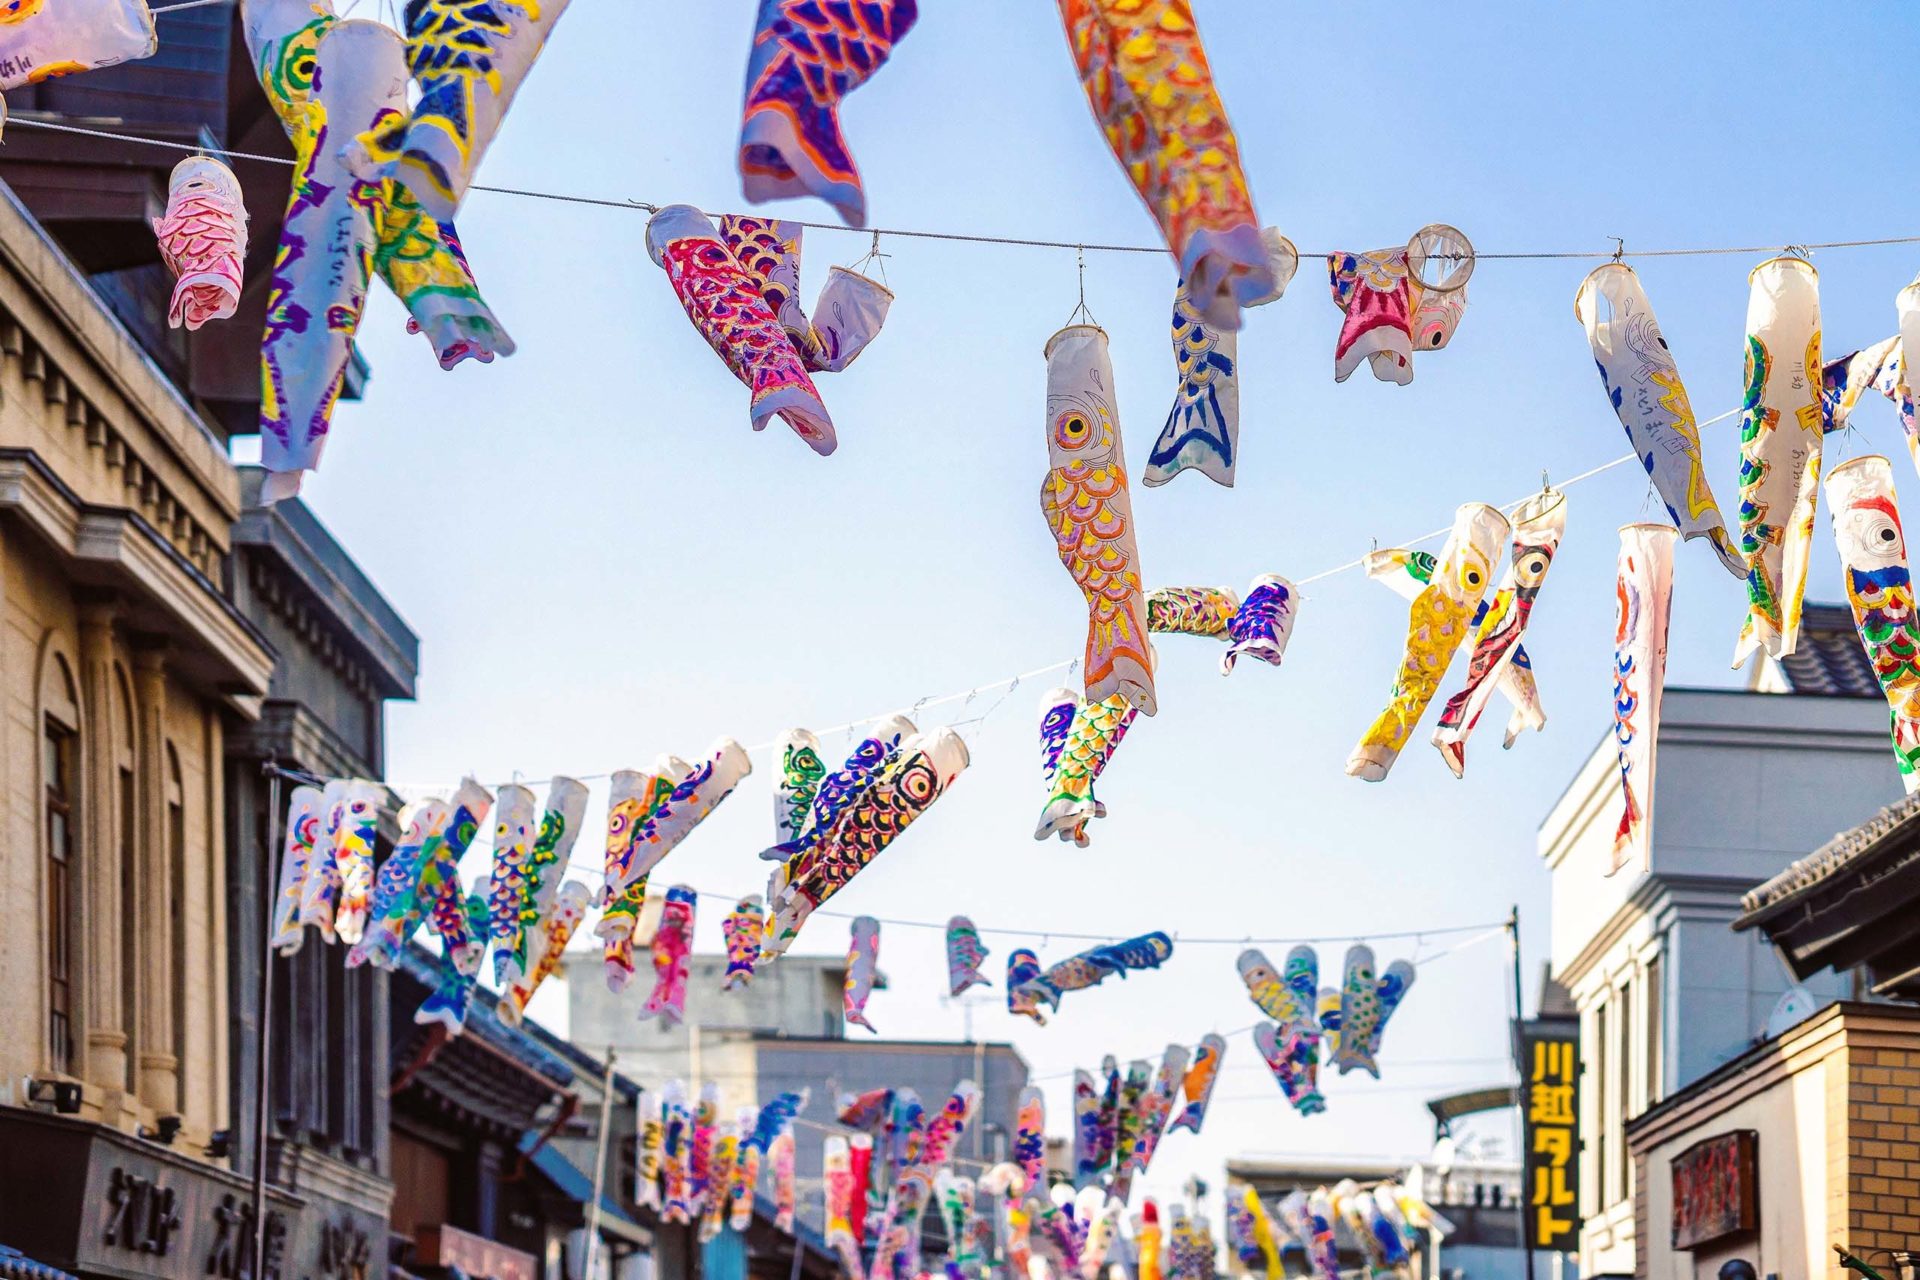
[[1829, 858], [1829, 658], [15, 1265]]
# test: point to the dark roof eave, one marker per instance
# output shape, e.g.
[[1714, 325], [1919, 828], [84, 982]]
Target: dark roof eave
[[1897, 823]]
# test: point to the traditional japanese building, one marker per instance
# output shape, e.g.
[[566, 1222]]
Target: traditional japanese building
[[164, 635], [1665, 992]]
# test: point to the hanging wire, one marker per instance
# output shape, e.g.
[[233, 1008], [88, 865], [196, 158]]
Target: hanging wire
[[1080, 265]]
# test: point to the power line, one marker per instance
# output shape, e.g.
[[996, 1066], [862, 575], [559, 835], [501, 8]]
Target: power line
[[961, 237]]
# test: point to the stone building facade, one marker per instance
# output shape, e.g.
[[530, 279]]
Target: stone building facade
[[122, 662]]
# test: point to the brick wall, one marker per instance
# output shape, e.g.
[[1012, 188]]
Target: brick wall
[[1880, 1190]]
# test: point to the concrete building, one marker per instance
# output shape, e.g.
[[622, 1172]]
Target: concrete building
[[1666, 992], [785, 1031]]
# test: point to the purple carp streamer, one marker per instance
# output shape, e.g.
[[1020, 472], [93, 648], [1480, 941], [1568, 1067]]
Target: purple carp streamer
[[1092, 967], [848, 829], [807, 57]]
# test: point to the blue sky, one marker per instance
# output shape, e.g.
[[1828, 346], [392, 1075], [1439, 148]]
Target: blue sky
[[605, 563]]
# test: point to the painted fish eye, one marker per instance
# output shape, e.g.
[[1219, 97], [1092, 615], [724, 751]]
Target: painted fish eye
[[1072, 429]]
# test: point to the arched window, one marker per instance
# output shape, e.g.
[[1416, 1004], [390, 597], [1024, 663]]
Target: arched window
[[126, 849], [59, 757], [176, 837]]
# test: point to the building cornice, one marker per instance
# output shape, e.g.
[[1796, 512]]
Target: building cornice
[[124, 549]]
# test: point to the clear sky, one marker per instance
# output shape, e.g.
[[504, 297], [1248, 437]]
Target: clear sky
[[604, 563]]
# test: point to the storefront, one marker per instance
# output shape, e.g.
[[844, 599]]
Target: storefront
[[1800, 1144], [92, 1201]]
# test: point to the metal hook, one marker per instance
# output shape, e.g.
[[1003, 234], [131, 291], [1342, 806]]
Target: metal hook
[[1619, 248], [1798, 251], [1080, 309], [1546, 485]]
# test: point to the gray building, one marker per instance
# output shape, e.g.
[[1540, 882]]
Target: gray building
[[785, 1031], [1747, 781]]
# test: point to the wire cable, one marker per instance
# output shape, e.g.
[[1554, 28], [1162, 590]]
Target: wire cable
[[961, 237]]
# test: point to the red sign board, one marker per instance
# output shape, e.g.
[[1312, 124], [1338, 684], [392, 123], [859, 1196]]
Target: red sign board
[[479, 1257], [1716, 1189]]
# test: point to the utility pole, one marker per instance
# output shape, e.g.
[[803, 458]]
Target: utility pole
[[1520, 1153]]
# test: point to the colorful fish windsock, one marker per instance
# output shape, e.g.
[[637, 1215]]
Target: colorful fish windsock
[[1146, 77], [746, 1173], [470, 60], [1203, 428], [1090, 512], [1096, 964], [1262, 625], [323, 78], [696, 791], [560, 824], [1077, 740], [912, 1189], [723, 300], [837, 1174], [676, 1154], [203, 241], [556, 930], [396, 909], [1780, 438], [422, 262], [1873, 560], [780, 1157], [339, 885], [817, 801], [1328, 1008], [868, 1111], [651, 1141], [1391, 310], [1437, 624], [1030, 1137], [514, 833], [801, 772], [1881, 367], [1191, 611], [1643, 385], [1109, 1120], [807, 57], [306, 823], [1266, 1234], [39, 41], [1157, 1104], [913, 777], [1197, 1085], [672, 946], [1023, 969], [706, 1132], [851, 309], [1643, 594], [743, 929], [1407, 574], [1292, 1053], [1088, 1160], [1284, 998], [719, 1203], [863, 970], [965, 951], [1367, 999], [1147, 1242], [1133, 1089], [448, 1003], [1537, 527]]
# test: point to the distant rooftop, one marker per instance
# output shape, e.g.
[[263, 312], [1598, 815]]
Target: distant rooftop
[[1808, 873], [1829, 659]]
